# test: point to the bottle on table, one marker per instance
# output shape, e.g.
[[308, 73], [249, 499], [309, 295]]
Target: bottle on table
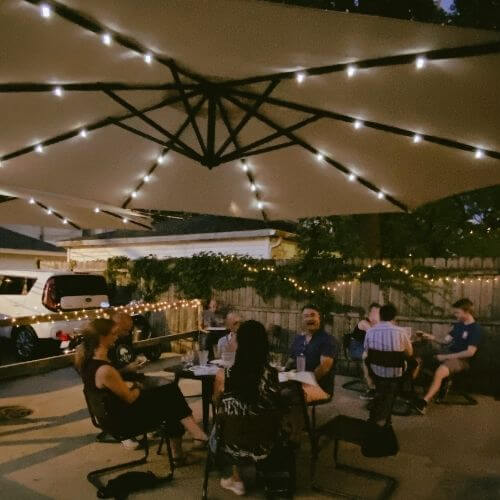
[[301, 363]]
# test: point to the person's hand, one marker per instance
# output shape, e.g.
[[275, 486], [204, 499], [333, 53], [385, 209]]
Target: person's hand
[[135, 365]]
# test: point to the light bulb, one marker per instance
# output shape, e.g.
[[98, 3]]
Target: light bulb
[[352, 177], [147, 178], [125, 220], [358, 124], [420, 62], [417, 138], [83, 133], [253, 187], [320, 157], [45, 10], [134, 194], [65, 221], [351, 70], [32, 201], [97, 210], [58, 91], [49, 211], [260, 205], [160, 159], [148, 58], [380, 195], [106, 39], [479, 154], [300, 77], [39, 148]]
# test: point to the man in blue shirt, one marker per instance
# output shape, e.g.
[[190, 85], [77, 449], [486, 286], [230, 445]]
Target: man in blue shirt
[[319, 349], [459, 346]]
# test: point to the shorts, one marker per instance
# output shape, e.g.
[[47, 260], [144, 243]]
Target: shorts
[[456, 365]]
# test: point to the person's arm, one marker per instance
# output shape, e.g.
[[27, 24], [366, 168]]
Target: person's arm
[[324, 367], [408, 346], [108, 377], [430, 336], [218, 385], [468, 353], [364, 325]]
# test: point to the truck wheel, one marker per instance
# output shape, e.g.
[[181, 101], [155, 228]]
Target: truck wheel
[[25, 343]]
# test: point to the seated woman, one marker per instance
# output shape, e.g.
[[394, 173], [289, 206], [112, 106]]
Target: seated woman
[[128, 403], [254, 387]]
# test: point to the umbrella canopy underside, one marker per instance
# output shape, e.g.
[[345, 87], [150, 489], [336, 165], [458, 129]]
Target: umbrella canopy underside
[[240, 107]]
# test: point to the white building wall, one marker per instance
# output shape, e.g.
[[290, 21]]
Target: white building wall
[[254, 247], [25, 262]]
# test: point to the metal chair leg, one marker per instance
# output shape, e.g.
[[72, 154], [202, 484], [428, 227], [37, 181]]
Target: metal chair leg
[[208, 464], [94, 476]]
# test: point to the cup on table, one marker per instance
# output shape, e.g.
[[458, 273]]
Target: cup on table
[[203, 357]]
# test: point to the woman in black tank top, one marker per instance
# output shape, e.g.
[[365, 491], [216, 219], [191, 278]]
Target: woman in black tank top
[[129, 405]]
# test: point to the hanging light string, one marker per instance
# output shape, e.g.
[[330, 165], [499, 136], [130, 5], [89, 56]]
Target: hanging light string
[[89, 314], [51, 211], [432, 276]]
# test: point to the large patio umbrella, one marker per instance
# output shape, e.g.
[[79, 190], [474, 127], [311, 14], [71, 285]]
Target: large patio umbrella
[[39, 208], [242, 107]]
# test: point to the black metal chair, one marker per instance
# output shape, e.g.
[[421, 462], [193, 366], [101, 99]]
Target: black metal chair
[[358, 384], [247, 433], [100, 418], [353, 430], [453, 387]]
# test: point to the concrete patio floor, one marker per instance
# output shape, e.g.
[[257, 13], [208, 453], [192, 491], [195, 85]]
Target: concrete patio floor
[[451, 453]]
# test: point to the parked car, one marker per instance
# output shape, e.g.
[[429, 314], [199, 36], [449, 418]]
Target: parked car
[[26, 293]]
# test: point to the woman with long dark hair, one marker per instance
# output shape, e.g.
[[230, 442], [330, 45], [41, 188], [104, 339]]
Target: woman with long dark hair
[[253, 385], [128, 404]]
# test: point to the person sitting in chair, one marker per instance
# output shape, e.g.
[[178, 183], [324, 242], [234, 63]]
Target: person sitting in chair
[[453, 355], [254, 388], [128, 404], [320, 351], [386, 337]]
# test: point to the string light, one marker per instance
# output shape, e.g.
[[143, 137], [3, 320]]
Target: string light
[[160, 159], [479, 154], [260, 205], [380, 195], [300, 77], [49, 211], [125, 220], [148, 58], [146, 178], [134, 194], [65, 221], [58, 91], [244, 166], [97, 210], [358, 124], [320, 157], [420, 62], [352, 177], [417, 138], [253, 187], [106, 39], [39, 148], [351, 70], [31, 201], [83, 133], [45, 10]]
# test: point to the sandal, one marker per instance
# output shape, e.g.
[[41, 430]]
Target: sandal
[[185, 460]]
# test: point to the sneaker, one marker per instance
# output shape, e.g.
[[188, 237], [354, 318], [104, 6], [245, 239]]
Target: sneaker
[[368, 395], [130, 444], [237, 487], [420, 405]]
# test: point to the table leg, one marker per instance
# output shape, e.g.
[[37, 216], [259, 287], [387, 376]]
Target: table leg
[[207, 385]]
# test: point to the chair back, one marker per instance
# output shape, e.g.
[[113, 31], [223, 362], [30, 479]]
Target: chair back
[[250, 432], [96, 404], [387, 359]]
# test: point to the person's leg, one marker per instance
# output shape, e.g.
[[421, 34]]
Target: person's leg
[[441, 373], [234, 483], [193, 428]]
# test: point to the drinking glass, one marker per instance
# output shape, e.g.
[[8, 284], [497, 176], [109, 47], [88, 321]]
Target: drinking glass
[[203, 357]]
